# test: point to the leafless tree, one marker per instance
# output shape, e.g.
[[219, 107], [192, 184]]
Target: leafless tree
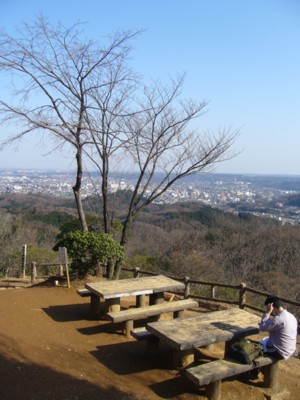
[[109, 106], [54, 74], [159, 138], [86, 96], [165, 139]]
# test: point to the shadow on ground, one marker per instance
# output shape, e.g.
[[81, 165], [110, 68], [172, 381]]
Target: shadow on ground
[[135, 358], [28, 381], [69, 312], [175, 387]]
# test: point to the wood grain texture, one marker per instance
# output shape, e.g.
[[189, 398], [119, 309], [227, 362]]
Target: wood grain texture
[[134, 286], [204, 329]]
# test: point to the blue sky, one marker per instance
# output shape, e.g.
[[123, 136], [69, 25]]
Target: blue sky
[[241, 55]]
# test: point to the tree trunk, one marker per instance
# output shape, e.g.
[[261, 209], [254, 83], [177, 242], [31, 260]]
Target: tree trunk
[[104, 195], [117, 269], [77, 191], [118, 265]]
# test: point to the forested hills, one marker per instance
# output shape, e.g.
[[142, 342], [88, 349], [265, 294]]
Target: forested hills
[[183, 239]]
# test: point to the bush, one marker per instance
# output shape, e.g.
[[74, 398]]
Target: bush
[[88, 249]]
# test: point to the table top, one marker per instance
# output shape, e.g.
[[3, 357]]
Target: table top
[[135, 286], [207, 328]]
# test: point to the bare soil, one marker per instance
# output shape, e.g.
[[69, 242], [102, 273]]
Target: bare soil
[[51, 348]]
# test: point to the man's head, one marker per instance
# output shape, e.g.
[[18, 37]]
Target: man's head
[[273, 300]]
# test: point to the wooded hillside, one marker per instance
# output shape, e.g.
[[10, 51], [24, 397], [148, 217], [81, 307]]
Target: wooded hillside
[[182, 239]]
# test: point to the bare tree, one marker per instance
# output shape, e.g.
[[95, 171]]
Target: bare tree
[[55, 73], [109, 107], [158, 138], [85, 95], [164, 139]]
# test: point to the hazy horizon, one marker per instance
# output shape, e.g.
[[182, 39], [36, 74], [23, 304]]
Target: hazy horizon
[[136, 172]]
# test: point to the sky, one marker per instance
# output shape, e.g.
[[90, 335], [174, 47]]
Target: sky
[[242, 56]]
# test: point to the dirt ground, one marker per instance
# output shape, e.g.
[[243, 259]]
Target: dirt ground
[[51, 348]]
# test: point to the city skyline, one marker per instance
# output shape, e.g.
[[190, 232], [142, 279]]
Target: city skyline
[[240, 56], [270, 197]]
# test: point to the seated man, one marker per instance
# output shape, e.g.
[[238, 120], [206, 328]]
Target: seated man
[[282, 327]]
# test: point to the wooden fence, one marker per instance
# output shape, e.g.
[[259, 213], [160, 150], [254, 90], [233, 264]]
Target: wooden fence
[[61, 267], [241, 295]]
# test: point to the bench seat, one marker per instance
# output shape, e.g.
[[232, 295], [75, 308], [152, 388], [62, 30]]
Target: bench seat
[[149, 311], [213, 372], [141, 334], [84, 292], [131, 314]]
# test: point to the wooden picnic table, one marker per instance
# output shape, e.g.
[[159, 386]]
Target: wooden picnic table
[[113, 290], [186, 334]]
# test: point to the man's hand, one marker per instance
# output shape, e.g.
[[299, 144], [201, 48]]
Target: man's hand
[[270, 308]]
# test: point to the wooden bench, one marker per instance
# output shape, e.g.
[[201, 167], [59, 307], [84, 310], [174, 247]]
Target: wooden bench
[[211, 373], [141, 333], [151, 340], [129, 315], [84, 292]]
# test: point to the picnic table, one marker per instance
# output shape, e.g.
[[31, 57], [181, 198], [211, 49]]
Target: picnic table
[[113, 290], [186, 334]]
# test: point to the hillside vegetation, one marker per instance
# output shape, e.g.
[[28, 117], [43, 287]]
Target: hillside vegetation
[[182, 239]]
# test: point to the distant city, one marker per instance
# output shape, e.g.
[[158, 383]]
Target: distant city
[[263, 195]]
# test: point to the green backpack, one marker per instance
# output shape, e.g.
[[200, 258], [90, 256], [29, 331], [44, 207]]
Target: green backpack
[[245, 351]]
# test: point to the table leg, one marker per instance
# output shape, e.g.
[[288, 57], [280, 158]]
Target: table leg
[[112, 304], [140, 300], [95, 304], [214, 390], [227, 347], [271, 375], [153, 346], [183, 358], [128, 327], [156, 298]]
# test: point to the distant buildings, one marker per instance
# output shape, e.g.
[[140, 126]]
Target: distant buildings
[[231, 193]]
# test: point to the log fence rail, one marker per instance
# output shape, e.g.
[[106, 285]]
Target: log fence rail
[[240, 297], [242, 292]]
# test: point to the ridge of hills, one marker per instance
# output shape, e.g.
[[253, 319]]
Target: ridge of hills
[[55, 210]]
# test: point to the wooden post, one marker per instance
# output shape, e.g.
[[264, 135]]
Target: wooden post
[[156, 298], [214, 390], [68, 276], [152, 346], [242, 300], [64, 260], [24, 252], [140, 300], [183, 358], [271, 375], [33, 271], [136, 272], [187, 287], [212, 291], [113, 304], [128, 328], [178, 314], [94, 304]]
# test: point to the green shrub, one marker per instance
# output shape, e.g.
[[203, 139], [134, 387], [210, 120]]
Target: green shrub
[[88, 249]]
